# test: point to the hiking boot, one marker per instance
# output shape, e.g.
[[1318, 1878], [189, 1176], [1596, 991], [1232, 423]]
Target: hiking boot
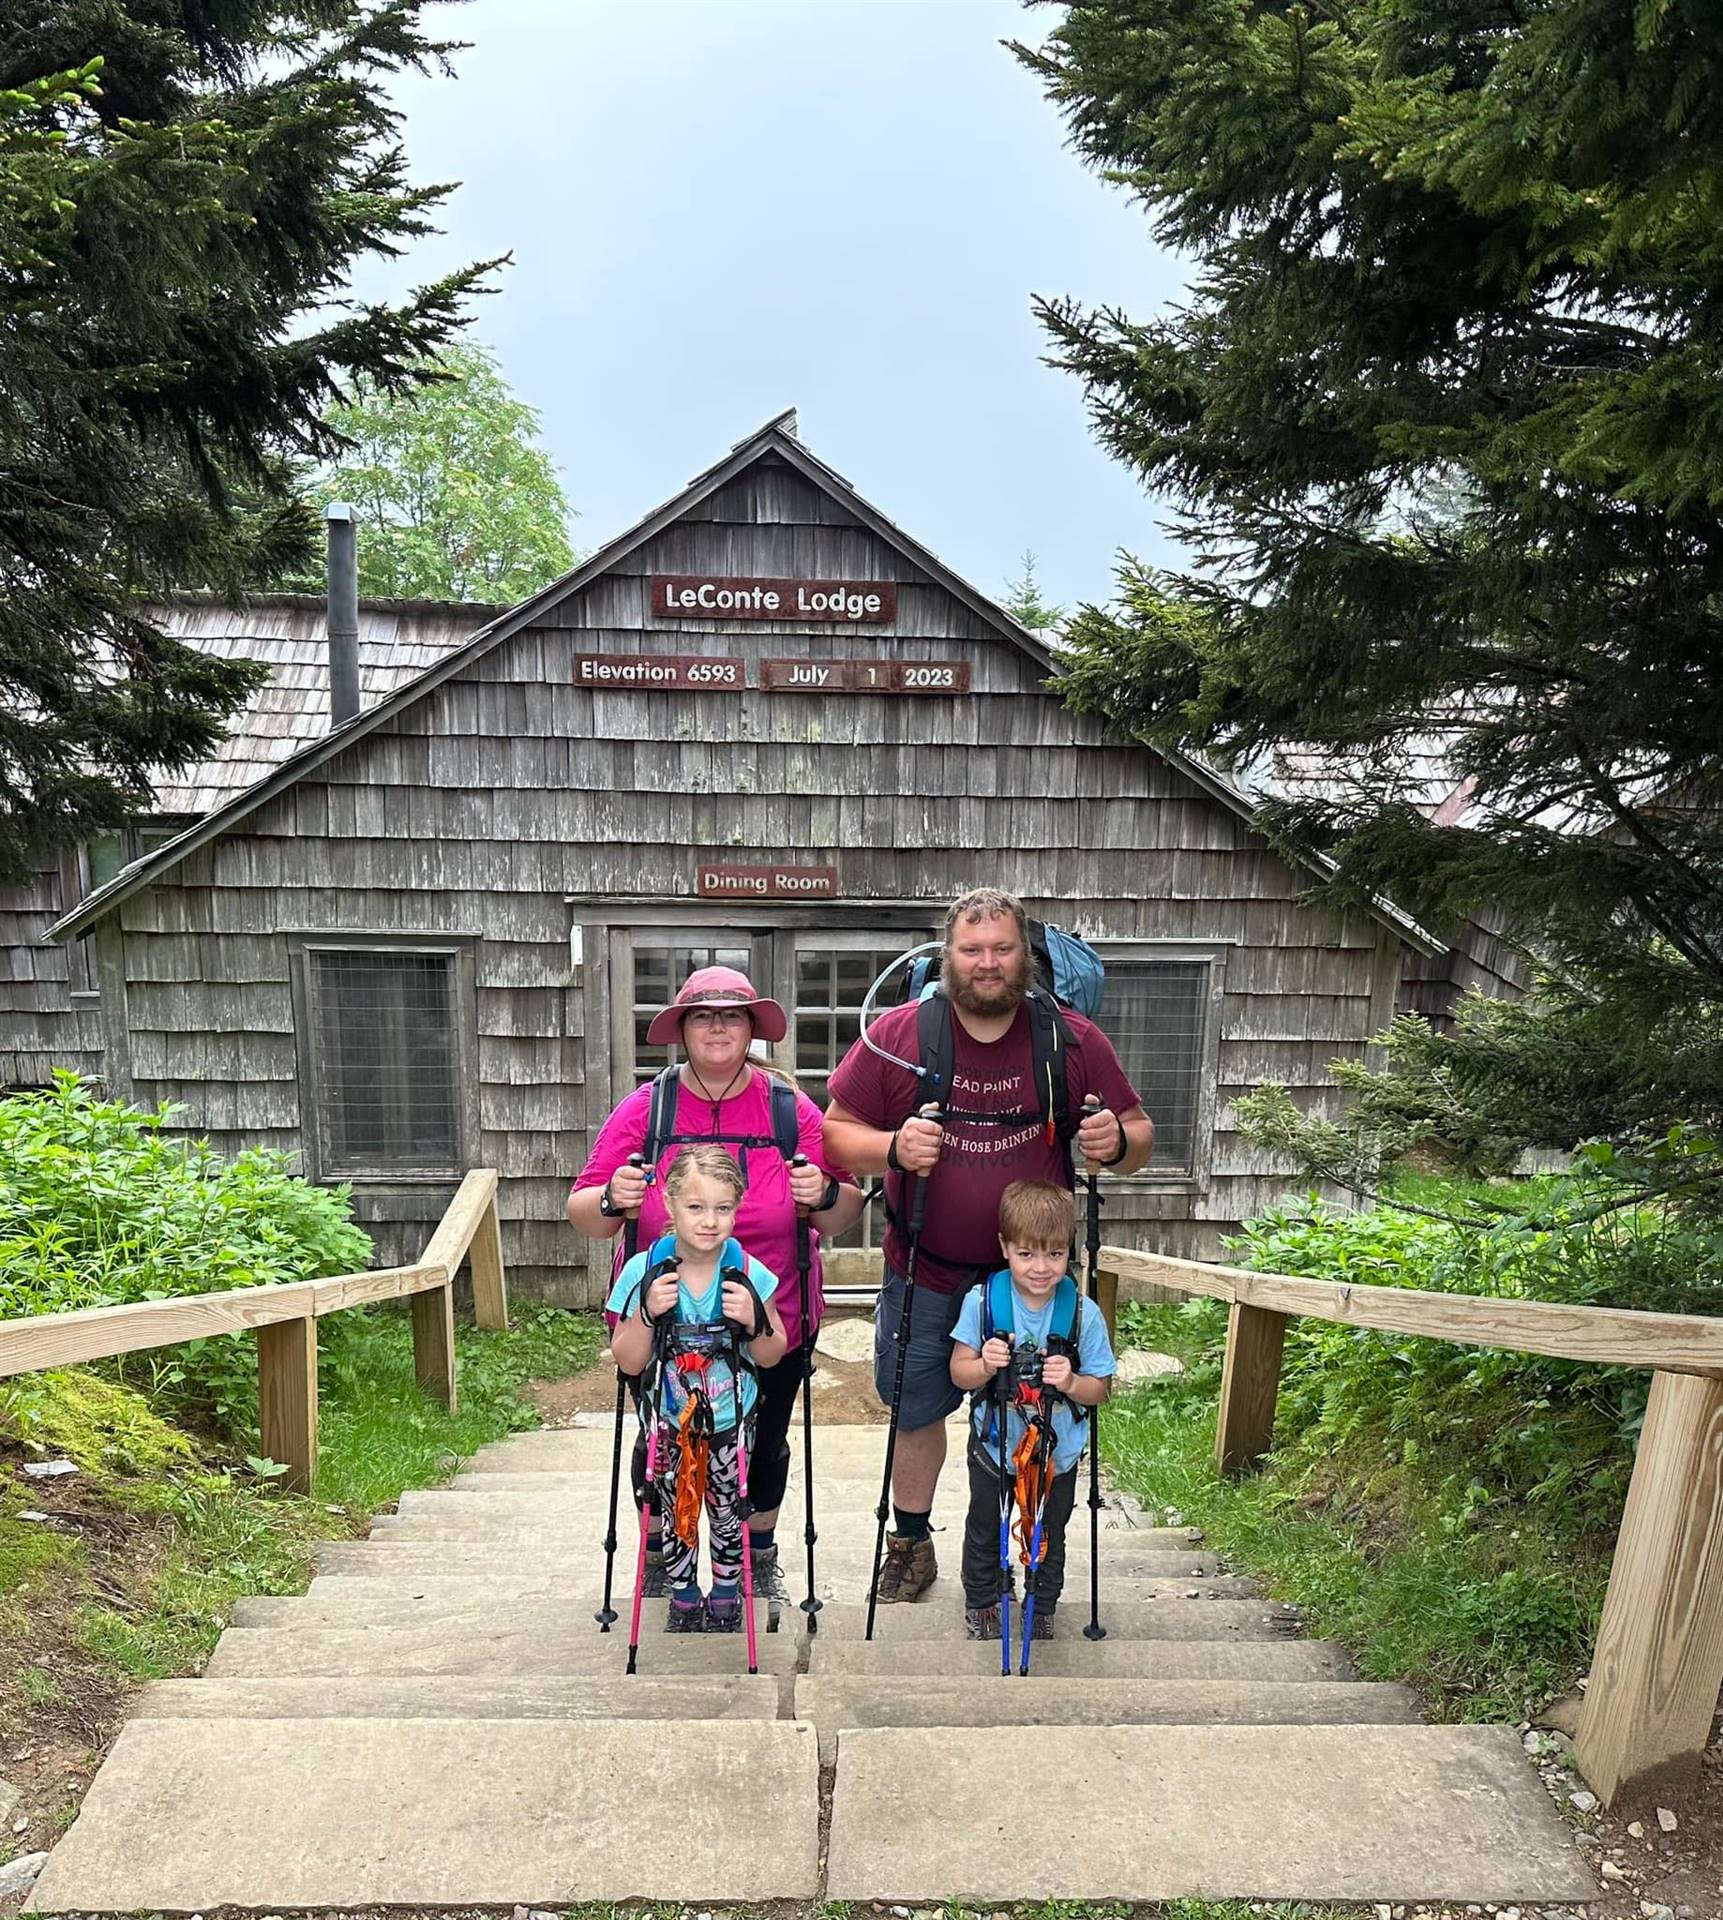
[[769, 1585], [685, 1616], [1044, 1617], [654, 1585], [908, 1571], [981, 1623], [724, 1616]]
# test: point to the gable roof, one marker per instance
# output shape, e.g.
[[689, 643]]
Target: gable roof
[[398, 640], [776, 439]]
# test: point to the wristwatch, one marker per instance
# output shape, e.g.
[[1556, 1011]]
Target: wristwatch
[[608, 1207], [829, 1199]]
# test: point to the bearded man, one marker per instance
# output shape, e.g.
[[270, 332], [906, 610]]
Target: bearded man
[[994, 1128]]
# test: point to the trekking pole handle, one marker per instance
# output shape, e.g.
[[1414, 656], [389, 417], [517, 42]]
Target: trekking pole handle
[[1092, 1106], [796, 1165], [918, 1206]]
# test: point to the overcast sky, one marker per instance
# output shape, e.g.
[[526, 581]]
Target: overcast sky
[[720, 208]]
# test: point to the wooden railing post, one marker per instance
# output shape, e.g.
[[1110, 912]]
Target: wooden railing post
[[434, 1343], [287, 1398], [1249, 1386], [490, 1286], [1659, 1660]]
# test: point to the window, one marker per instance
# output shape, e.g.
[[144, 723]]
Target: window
[[831, 983], [1155, 1012], [384, 1028], [92, 865]]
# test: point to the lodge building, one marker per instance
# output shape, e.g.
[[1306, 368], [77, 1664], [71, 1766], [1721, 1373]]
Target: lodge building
[[763, 727]]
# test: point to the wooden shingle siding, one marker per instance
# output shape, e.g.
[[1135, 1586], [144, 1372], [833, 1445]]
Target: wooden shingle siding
[[508, 805], [42, 1024]]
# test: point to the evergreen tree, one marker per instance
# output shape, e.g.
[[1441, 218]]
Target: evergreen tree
[[184, 191], [456, 499], [1025, 605], [1443, 419]]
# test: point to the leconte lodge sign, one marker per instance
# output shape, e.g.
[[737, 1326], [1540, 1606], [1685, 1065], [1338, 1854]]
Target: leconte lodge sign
[[703, 596]]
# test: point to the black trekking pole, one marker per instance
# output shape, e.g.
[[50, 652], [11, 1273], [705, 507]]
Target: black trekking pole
[[606, 1615], [917, 1213], [804, 1265], [1094, 1630]]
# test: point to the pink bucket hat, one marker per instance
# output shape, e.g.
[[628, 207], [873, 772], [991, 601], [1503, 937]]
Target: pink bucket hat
[[716, 987]]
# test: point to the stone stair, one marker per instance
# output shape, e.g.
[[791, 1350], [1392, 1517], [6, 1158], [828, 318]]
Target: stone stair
[[438, 1722]]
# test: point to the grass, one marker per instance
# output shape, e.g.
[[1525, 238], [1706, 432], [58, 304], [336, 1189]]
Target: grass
[[1399, 1550], [159, 1532]]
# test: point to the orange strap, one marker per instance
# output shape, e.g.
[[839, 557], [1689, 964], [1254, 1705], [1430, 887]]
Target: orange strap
[[1034, 1480], [691, 1476]]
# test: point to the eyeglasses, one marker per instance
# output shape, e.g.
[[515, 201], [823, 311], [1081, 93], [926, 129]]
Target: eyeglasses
[[716, 1017]]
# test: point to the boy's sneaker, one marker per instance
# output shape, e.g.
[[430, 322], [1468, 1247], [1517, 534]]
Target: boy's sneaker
[[769, 1585], [685, 1616], [908, 1570], [654, 1583], [1044, 1617], [724, 1616], [981, 1623]]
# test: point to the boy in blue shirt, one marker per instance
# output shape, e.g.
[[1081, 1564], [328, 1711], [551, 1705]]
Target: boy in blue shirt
[[1031, 1312]]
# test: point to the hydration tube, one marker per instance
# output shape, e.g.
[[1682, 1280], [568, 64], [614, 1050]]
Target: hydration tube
[[872, 994]]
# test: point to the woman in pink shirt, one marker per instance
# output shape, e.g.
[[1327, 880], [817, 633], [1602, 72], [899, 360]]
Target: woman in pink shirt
[[722, 1094]]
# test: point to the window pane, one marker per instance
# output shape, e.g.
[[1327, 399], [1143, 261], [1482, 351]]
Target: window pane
[[1155, 1016], [386, 1052], [103, 858]]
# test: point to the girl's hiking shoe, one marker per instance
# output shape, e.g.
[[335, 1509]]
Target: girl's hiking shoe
[[724, 1616], [686, 1616], [769, 1585], [908, 1571], [654, 1585], [981, 1623]]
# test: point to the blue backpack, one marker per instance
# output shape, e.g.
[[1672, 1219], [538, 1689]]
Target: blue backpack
[[999, 1315]]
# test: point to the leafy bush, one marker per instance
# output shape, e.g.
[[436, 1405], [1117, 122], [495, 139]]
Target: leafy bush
[[1450, 1510], [100, 1205]]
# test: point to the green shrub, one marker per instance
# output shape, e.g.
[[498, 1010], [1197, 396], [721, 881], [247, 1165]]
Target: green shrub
[[1450, 1510], [100, 1204]]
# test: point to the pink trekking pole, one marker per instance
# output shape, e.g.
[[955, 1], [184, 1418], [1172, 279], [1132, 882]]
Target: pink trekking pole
[[640, 1561], [747, 1547]]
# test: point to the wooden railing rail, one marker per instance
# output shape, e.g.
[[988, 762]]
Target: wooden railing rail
[[284, 1319], [1658, 1664]]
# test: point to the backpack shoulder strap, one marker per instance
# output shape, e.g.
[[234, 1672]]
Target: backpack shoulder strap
[[998, 1313], [1067, 1304], [661, 1114], [1050, 1053], [936, 1046], [786, 1121]]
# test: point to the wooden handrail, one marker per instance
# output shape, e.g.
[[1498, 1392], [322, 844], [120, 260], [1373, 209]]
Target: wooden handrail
[[1658, 1665], [1612, 1336], [284, 1319]]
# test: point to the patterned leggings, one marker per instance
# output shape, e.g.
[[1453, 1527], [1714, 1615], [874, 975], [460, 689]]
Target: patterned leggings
[[723, 1512]]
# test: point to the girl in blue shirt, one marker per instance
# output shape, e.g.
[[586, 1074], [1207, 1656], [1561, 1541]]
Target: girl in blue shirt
[[694, 1283]]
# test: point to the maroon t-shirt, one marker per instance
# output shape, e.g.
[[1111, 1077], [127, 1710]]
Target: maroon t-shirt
[[979, 1159]]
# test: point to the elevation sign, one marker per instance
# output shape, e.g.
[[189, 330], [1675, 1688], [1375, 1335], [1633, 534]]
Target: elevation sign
[[708, 596]]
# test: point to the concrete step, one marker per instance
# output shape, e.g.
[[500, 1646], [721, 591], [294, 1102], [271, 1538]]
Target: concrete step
[[498, 1652], [628, 1696], [425, 1593], [1124, 1620], [836, 1702], [844, 1560], [1070, 1656], [534, 1522], [1319, 1813], [191, 1815], [300, 1613]]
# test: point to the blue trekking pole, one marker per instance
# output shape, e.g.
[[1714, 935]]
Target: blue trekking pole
[[606, 1615], [1032, 1546]]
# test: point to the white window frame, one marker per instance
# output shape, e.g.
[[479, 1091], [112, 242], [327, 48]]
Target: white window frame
[[1194, 1178]]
